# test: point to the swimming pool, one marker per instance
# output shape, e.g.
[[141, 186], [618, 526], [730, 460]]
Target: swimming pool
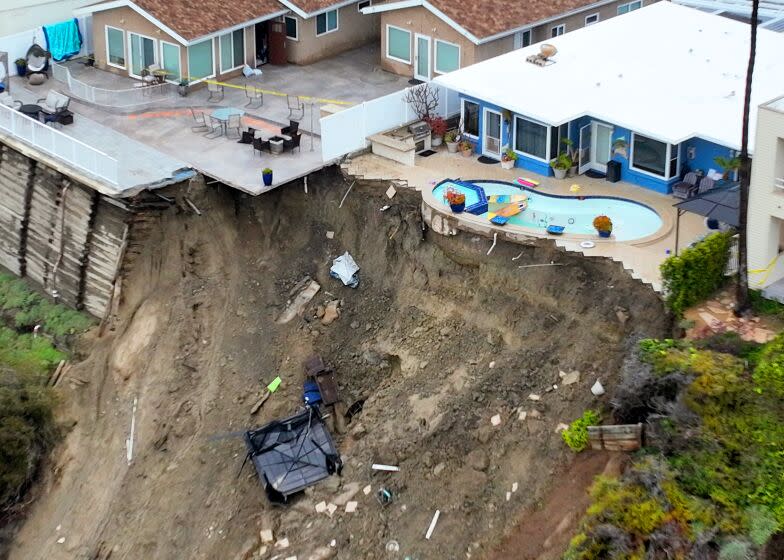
[[631, 220]]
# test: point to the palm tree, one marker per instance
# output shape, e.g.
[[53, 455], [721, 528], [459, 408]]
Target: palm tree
[[744, 172]]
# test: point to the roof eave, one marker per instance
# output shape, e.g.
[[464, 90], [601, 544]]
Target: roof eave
[[307, 15]]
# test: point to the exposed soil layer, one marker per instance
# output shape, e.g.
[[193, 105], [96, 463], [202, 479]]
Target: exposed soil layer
[[437, 339]]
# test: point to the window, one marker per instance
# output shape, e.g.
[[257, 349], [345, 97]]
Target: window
[[447, 57], [522, 39], [200, 62], [326, 22], [470, 118], [398, 44], [115, 47], [557, 134], [557, 30], [653, 156], [170, 60], [232, 50], [366, 4], [530, 138], [593, 18], [629, 7], [292, 30]]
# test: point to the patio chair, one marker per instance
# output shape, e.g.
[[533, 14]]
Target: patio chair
[[215, 90], [259, 145], [289, 145], [254, 96], [214, 128], [687, 187], [54, 102], [706, 184], [149, 75], [37, 59], [290, 130], [200, 124], [234, 123], [7, 100], [295, 107]]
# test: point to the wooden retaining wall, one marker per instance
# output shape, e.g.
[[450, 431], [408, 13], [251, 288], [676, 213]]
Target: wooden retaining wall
[[66, 237]]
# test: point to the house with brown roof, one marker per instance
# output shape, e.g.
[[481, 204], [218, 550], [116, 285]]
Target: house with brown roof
[[425, 38], [195, 40]]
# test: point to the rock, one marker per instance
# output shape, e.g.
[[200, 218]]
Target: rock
[[320, 311], [534, 397], [282, 543], [597, 389], [427, 459], [515, 486], [534, 414], [491, 365], [477, 460], [354, 324], [331, 508], [323, 553], [351, 507], [61, 540], [571, 378], [321, 507], [331, 313], [622, 315], [522, 415], [349, 491], [367, 489], [496, 420], [266, 535], [438, 469], [423, 364], [561, 427], [371, 357]]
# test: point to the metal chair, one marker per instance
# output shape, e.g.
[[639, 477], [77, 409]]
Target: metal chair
[[215, 128], [687, 187], [290, 130], [295, 107], [289, 145], [200, 123], [254, 96], [234, 123], [215, 90]]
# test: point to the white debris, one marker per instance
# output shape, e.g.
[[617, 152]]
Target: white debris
[[496, 420], [331, 508], [58, 528], [61, 540], [321, 507], [391, 192], [344, 267], [282, 543], [389, 468], [384, 208], [522, 415], [333, 543], [351, 507], [367, 489], [570, 378], [597, 389], [514, 487], [561, 427], [330, 235], [266, 535], [508, 496], [491, 365], [534, 397], [432, 527]]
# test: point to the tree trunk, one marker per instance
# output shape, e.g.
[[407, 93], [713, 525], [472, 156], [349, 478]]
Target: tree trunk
[[742, 295]]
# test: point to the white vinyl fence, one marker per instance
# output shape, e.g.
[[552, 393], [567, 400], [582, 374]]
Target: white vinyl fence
[[16, 45], [54, 142], [116, 98], [347, 131]]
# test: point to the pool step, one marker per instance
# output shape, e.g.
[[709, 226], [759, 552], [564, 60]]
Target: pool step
[[640, 264]]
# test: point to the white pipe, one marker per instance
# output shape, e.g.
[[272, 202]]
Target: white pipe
[[495, 239], [129, 441], [433, 524]]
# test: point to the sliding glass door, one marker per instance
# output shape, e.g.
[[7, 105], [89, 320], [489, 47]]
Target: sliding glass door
[[170, 61], [142, 53]]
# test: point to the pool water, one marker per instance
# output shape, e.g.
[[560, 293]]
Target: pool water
[[630, 219]]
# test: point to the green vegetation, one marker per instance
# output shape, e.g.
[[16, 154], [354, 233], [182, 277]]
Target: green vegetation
[[713, 474], [27, 427], [765, 306], [576, 436], [696, 273]]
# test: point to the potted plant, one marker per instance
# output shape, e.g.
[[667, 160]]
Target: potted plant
[[466, 148], [451, 141], [182, 88], [456, 200], [437, 131], [508, 159], [572, 153], [561, 165], [603, 225], [729, 165], [21, 66], [266, 174], [90, 60]]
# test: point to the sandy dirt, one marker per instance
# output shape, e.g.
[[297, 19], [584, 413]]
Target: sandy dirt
[[437, 339]]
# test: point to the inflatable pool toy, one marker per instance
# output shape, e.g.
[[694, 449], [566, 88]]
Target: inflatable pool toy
[[587, 244], [526, 182], [510, 205], [575, 188], [555, 230]]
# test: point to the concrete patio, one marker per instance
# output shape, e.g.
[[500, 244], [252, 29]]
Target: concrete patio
[[641, 257]]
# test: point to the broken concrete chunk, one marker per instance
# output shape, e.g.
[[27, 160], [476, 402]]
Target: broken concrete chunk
[[438, 468], [496, 420], [571, 378], [297, 306], [350, 490], [534, 397], [331, 313], [321, 507], [522, 415], [266, 535], [351, 507], [282, 543], [597, 389], [331, 508], [391, 192], [514, 487], [367, 489], [330, 235]]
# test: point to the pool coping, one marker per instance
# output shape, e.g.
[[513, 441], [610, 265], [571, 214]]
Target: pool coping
[[485, 226]]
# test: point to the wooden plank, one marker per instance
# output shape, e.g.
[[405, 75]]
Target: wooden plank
[[623, 437]]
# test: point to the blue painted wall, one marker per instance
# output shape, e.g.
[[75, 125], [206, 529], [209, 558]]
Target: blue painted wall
[[704, 152]]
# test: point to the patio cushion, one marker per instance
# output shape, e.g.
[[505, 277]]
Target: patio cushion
[[54, 102], [6, 99]]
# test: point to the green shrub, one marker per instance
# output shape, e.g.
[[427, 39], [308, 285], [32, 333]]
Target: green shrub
[[769, 374], [696, 273], [736, 550], [761, 523], [576, 436], [764, 306]]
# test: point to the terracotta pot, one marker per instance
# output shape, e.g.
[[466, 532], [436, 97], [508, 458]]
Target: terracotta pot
[[467, 153]]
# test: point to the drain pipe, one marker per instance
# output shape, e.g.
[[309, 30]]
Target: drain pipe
[[495, 239]]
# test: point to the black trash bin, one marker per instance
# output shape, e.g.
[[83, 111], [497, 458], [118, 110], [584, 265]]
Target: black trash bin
[[613, 171]]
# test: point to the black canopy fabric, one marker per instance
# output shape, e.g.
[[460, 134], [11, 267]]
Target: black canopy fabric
[[721, 204], [293, 453]]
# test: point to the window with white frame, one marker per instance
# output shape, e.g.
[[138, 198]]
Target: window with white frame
[[522, 39], [530, 138], [629, 7], [654, 156], [591, 19], [470, 118], [558, 30], [447, 57], [232, 50], [115, 47], [200, 61], [398, 44], [366, 4], [292, 28], [326, 22]]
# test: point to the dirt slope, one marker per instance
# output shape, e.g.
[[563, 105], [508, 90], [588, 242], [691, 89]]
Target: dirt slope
[[437, 339]]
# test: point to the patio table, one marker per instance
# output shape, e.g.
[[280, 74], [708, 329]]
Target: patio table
[[223, 113]]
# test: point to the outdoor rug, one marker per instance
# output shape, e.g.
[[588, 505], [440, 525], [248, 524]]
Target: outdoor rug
[[426, 153], [485, 159], [595, 174]]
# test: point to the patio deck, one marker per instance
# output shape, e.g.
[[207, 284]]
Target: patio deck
[[154, 142], [641, 257]]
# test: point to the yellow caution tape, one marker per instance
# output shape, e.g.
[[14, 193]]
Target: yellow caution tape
[[278, 93]]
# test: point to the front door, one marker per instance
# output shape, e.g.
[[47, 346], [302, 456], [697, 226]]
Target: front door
[[601, 150], [422, 58], [142, 53], [584, 149], [491, 143]]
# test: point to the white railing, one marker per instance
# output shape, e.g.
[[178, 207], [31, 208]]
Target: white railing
[[60, 145], [347, 131], [733, 262], [116, 98]]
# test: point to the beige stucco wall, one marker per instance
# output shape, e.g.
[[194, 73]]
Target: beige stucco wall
[[131, 22], [354, 30], [421, 21], [766, 202]]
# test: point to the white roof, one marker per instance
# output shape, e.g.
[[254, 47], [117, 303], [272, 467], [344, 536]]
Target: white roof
[[665, 71]]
